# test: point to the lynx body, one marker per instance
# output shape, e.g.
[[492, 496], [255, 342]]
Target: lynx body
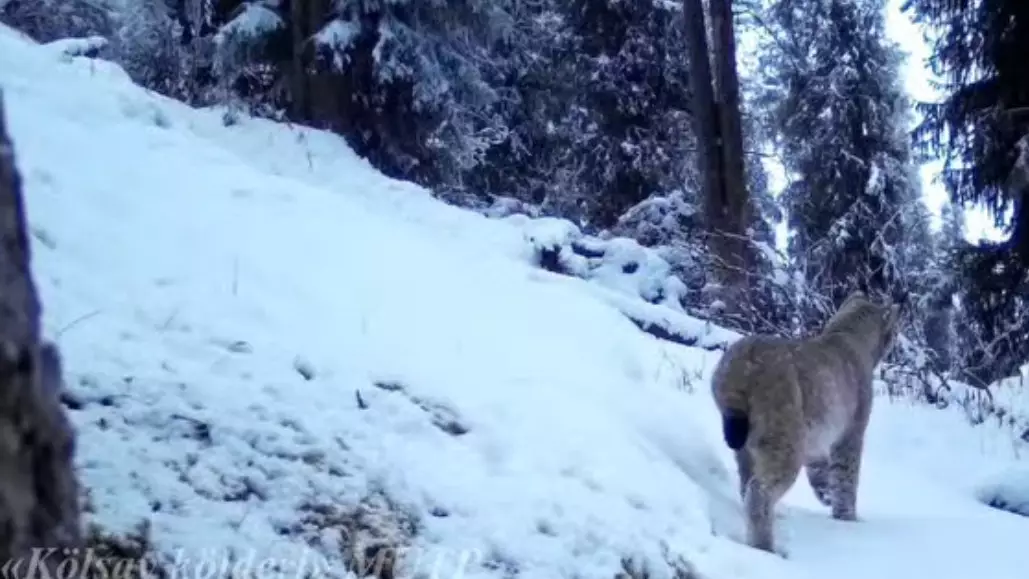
[[788, 404]]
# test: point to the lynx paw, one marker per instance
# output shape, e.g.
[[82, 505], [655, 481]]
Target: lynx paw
[[849, 517]]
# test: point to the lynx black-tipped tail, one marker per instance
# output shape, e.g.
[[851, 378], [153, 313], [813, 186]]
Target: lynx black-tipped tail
[[735, 427]]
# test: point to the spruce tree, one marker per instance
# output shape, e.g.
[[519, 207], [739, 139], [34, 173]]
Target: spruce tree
[[980, 129], [942, 282], [840, 115]]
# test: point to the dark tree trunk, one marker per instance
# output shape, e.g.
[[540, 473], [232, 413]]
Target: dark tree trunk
[[39, 488], [19, 302], [299, 104], [705, 118], [306, 19], [718, 127]]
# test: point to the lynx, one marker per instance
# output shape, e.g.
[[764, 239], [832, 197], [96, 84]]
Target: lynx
[[793, 403]]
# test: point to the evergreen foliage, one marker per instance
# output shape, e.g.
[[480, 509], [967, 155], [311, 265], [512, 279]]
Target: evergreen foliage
[[582, 109], [835, 103], [980, 129]]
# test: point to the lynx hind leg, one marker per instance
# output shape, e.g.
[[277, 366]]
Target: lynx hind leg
[[773, 474], [818, 475], [758, 507], [845, 470], [745, 469]]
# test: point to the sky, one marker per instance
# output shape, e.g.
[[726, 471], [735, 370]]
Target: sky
[[917, 79], [917, 82]]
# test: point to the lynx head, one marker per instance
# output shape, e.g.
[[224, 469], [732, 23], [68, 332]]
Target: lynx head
[[873, 322]]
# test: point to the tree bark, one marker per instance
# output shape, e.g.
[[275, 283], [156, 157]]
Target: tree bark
[[39, 490], [735, 197], [299, 104], [718, 128], [306, 19]]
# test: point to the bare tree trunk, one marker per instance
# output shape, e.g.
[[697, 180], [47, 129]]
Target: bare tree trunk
[[735, 197], [306, 18], [703, 109], [19, 304], [299, 104], [39, 490], [718, 127]]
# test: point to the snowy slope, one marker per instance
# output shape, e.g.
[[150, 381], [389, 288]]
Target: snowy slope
[[270, 347]]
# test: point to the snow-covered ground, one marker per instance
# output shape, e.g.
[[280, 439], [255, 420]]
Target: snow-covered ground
[[271, 347]]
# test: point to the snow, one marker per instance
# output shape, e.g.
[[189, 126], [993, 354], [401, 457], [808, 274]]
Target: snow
[[338, 34], [253, 20], [620, 264], [69, 47], [1007, 490], [271, 347], [1004, 404], [1012, 395]]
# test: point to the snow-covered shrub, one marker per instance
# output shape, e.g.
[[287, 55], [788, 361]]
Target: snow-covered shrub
[[69, 48], [632, 268], [670, 225], [146, 46], [506, 206], [48, 20], [1009, 400], [620, 264], [661, 219], [247, 62], [160, 50], [411, 85], [656, 252], [634, 279]]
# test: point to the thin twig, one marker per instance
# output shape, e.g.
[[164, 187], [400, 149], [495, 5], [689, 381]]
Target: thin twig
[[75, 322]]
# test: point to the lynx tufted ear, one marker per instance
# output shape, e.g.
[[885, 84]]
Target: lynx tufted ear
[[862, 286], [899, 298], [892, 315], [891, 322]]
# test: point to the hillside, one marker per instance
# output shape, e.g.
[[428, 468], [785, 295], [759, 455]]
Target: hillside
[[271, 347]]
